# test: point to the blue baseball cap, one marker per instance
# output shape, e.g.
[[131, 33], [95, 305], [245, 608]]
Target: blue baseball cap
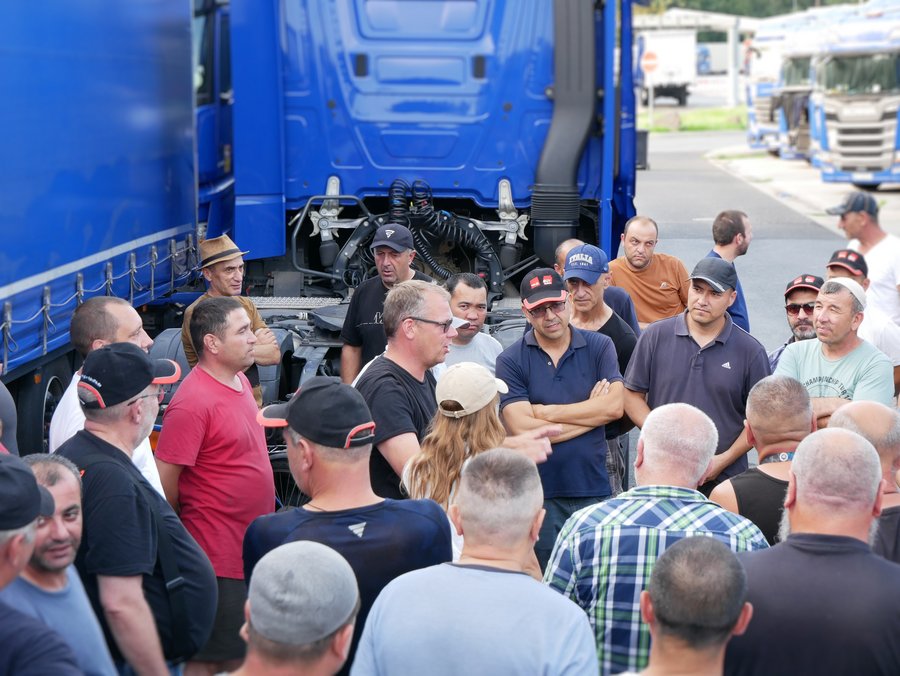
[[586, 262]]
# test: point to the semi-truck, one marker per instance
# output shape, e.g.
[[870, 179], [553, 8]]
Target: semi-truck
[[858, 87], [494, 129]]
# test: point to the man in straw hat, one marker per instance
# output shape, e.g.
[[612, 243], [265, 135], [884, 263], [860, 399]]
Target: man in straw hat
[[222, 265]]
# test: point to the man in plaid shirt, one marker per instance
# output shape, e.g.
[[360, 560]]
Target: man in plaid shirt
[[604, 554]]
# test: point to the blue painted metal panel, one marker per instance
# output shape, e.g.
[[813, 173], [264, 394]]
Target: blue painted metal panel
[[98, 159]]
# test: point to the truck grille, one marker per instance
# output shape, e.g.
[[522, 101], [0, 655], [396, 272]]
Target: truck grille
[[862, 135], [293, 302]]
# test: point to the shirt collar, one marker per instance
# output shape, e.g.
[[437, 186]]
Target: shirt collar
[[657, 491], [681, 327]]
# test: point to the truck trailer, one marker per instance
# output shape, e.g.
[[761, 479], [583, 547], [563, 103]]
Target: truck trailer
[[494, 129]]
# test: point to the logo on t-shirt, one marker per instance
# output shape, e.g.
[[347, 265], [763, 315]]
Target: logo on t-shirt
[[357, 529], [726, 365], [663, 285]]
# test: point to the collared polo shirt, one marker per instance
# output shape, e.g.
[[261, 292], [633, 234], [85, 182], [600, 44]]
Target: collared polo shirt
[[670, 367], [577, 467]]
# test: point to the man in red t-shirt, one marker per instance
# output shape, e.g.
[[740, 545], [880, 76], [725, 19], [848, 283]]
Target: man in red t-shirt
[[214, 465]]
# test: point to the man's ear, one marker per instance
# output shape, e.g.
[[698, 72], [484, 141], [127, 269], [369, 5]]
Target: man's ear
[[750, 437], [455, 518], [646, 606], [536, 524], [639, 454], [340, 644], [245, 628], [211, 343], [743, 619], [790, 497]]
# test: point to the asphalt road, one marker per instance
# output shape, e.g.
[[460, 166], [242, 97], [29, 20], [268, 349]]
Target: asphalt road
[[683, 191]]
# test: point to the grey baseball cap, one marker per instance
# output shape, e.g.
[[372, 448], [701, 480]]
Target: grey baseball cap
[[301, 592], [855, 201]]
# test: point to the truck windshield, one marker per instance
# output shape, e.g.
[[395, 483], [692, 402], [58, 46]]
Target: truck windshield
[[202, 59], [862, 74], [795, 71]]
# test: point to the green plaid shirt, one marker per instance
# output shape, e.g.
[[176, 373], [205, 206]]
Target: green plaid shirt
[[605, 553]]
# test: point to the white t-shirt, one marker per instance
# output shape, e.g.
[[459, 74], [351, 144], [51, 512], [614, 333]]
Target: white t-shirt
[[878, 329], [883, 260], [68, 419], [482, 349]]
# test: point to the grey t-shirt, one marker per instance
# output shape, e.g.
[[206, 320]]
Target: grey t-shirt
[[451, 619], [482, 349], [69, 613]]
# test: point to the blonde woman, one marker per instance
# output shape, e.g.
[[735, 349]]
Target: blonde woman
[[466, 424]]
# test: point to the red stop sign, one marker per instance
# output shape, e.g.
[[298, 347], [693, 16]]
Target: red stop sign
[[649, 62]]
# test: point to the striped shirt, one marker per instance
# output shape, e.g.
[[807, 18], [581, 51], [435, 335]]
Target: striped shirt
[[605, 553]]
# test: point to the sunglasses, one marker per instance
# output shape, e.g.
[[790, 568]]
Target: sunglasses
[[793, 309], [445, 326]]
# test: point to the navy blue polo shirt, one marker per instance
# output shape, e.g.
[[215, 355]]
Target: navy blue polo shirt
[[577, 467], [669, 365]]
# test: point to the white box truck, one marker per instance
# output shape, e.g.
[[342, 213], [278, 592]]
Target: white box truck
[[676, 63]]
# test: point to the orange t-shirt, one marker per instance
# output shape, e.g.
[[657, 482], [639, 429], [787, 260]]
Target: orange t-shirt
[[660, 290]]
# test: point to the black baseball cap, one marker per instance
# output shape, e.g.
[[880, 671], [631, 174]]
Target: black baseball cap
[[811, 282], [855, 201], [22, 499], [542, 285], [119, 371], [325, 411], [850, 260], [717, 272], [393, 235]]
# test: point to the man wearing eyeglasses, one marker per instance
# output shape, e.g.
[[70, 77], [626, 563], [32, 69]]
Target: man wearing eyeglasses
[[799, 301], [121, 556], [557, 373]]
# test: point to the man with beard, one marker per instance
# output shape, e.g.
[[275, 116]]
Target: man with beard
[[839, 366], [799, 301], [823, 602], [48, 588], [732, 234], [656, 282]]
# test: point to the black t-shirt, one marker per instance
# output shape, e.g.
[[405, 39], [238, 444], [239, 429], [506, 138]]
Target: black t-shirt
[[399, 404], [119, 540], [822, 604], [760, 498], [887, 540], [380, 542], [28, 647], [622, 337], [624, 340], [363, 326]]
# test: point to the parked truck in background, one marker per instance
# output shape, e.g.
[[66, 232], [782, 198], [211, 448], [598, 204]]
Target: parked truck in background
[[858, 83], [477, 123], [676, 59]]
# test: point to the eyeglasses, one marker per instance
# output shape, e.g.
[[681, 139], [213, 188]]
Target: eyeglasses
[[541, 310], [159, 397], [793, 309], [445, 326]]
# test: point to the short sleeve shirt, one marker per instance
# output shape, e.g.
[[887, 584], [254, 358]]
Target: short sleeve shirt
[[226, 480], [738, 310], [670, 367], [400, 404], [883, 260], [658, 291], [865, 374], [119, 540], [577, 467], [482, 349], [30, 648], [363, 326]]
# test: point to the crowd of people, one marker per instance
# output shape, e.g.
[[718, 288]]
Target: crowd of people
[[469, 504]]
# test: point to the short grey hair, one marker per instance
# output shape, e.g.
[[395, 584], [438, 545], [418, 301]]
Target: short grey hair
[[499, 495], [779, 402], [837, 469], [28, 530], [885, 439], [48, 468], [831, 288], [407, 299], [681, 438]]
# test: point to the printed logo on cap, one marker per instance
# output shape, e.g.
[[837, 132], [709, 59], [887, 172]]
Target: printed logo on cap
[[388, 233], [547, 279], [534, 283], [581, 258]]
